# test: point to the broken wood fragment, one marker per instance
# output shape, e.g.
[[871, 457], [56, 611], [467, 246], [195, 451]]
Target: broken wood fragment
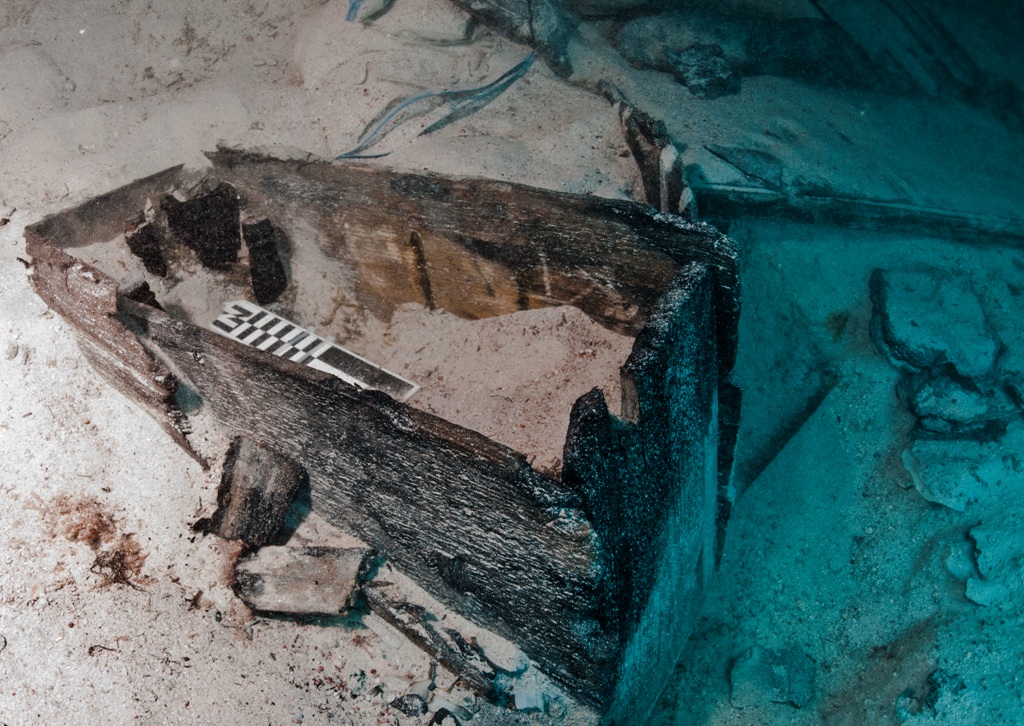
[[266, 270], [208, 224], [145, 242], [302, 580], [446, 645], [661, 168], [256, 490]]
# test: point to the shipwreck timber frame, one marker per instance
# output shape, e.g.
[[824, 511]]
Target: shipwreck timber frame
[[597, 576]]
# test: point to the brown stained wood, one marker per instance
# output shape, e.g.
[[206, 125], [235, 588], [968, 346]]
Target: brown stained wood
[[597, 577], [465, 517], [87, 298], [490, 247], [256, 490], [661, 168], [302, 580]]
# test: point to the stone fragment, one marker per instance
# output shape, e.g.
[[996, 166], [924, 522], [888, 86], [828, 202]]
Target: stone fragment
[[926, 319], [944, 404], [1000, 580], [411, 704], [958, 472], [529, 699], [763, 676], [704, 69]]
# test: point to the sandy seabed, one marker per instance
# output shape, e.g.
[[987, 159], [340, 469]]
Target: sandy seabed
[[831, 549]]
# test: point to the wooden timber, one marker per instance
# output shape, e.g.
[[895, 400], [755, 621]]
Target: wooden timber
[[597, 577]]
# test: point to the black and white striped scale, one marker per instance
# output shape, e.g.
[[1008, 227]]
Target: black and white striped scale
[[248, 323]]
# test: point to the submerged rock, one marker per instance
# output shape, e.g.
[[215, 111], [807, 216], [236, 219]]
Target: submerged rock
[[704, 69], [761, 676], [948, 405], [926, 319], [959, 472]]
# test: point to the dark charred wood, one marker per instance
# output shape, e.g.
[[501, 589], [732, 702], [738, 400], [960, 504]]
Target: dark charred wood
[[208, 224], [146, 243], [302, 580], [256, 490], [266, 270], [649, 485], [141, 293]]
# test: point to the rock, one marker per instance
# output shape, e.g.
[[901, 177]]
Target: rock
[[541, 24], [704, 69], [411, 704], [809, 49], [763, 676], [1000, 580], [924, 320], [955, 473], [944, 404], [608, 8]]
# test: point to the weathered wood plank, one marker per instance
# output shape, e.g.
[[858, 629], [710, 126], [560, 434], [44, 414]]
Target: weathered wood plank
[[411, 619], [513, 247], [467, 518], [256, 489], [87, 297], [302, 580], [650, 486]]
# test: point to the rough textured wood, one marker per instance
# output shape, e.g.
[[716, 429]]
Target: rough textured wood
[[256, 490], [650, 487], [467, 518], [302, 580], [146, 243], [266, 271], [580, 573], [661, 168], [87, 298], [207, 224], [489, 248]]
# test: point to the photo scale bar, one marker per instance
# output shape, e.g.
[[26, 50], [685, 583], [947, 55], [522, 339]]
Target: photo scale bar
[[248, 323]]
